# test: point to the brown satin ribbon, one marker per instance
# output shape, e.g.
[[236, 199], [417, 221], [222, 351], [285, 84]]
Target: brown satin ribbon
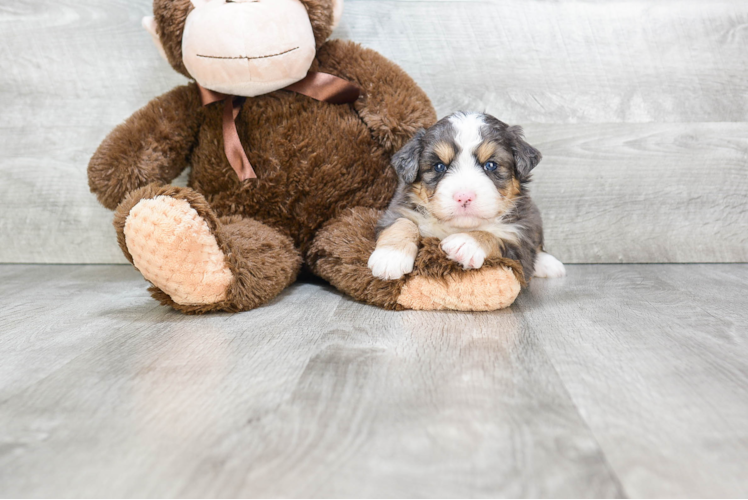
[[320, 86], [232, 146], [326, 87]]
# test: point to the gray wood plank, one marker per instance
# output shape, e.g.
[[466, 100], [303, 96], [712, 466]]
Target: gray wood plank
[[567, 61], [639, 193], [312, 395], [605, 89], [655, 358], [50, 315], [69, 72]]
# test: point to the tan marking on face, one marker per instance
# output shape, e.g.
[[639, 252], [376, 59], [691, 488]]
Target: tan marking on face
[[400, 235], [421, 193], [511, 190], [485, 151], [445, 151], [489, 243]]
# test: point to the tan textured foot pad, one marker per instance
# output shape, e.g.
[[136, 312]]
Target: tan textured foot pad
[[173, 247], [484, 290]]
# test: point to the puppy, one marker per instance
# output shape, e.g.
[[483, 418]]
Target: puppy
[[464, 181]]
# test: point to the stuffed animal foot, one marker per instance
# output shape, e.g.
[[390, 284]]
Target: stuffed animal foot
[[173, 247], [196, 261], [341, 251], [487, 289]]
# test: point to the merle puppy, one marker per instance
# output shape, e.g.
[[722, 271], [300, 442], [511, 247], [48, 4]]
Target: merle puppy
[[464, 181]]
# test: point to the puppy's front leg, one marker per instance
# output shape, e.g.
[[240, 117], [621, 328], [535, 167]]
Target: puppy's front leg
[[472, 248], [396, 250]]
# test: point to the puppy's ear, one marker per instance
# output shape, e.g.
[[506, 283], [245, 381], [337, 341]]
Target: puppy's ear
[[526, 157], [406, 160]]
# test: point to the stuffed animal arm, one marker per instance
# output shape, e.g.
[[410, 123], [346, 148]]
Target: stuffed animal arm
[[393, 113], [153, 145]]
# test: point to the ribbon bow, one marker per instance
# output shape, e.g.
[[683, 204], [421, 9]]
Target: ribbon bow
[[320, 86]]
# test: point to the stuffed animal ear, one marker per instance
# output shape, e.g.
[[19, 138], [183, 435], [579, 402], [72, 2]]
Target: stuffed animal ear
[[406, 160], [526, 157], [149, 23], [337, 12]]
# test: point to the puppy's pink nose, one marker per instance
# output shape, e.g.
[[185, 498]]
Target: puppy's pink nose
[[464, 197]]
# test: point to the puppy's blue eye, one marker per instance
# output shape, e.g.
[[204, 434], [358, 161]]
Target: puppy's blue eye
[[440, 167], [490, 166]]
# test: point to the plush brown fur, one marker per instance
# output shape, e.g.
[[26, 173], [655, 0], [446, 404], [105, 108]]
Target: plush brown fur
[[153, 145], [314, 161]]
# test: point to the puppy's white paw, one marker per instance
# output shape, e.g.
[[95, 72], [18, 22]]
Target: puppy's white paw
[[548, 266], [390, 263], [464, 249]]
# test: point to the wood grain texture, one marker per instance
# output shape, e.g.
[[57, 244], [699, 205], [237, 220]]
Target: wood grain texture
[[656, 360], [615, 381], [312, 395], [568, 61], [643, 192], [639, 108], [70, 71], [78, 316]]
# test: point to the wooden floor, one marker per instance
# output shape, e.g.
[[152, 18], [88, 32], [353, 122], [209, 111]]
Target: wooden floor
[[619, 380]]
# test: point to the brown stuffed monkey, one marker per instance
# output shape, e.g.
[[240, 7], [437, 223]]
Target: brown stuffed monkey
[[313, 174]]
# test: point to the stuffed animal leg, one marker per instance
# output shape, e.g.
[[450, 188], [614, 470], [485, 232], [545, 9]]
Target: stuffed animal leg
[[340, 254], [198, 262]]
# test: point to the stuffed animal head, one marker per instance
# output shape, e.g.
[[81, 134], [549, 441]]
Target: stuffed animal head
[[242, 47]]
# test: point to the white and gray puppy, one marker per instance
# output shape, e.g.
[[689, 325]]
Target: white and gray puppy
[[464, 181]]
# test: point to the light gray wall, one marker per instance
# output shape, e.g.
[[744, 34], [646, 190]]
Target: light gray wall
[[639, 108]]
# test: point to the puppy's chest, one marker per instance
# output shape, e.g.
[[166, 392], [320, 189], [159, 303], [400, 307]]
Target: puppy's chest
[[431, 227]]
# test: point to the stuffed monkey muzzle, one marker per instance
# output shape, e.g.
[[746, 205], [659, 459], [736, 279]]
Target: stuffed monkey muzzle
[[246, 47]]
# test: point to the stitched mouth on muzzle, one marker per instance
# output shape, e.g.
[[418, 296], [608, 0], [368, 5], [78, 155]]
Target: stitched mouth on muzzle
[[249, 58]]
